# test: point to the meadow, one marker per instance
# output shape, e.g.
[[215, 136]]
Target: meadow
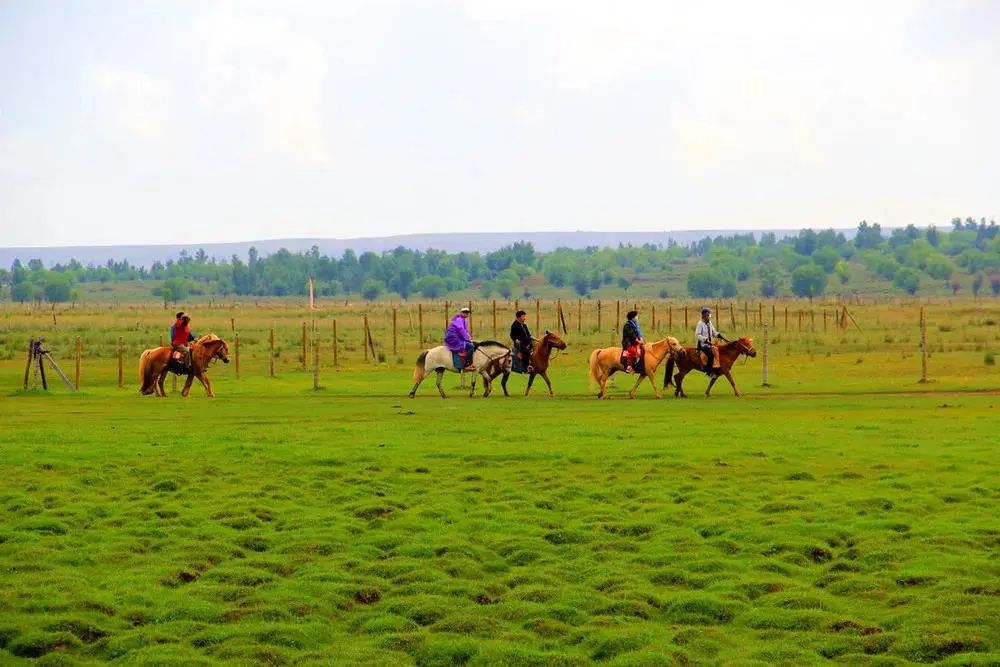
[[846, 513]]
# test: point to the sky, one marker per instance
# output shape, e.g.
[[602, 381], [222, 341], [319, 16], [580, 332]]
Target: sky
[[198, 122]]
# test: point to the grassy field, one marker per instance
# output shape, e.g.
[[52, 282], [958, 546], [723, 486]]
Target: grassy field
[[281, 525]]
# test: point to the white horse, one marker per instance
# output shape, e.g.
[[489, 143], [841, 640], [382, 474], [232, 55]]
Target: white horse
[[489, 360]]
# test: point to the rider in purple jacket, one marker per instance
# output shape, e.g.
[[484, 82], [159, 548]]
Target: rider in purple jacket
[[458, 339]]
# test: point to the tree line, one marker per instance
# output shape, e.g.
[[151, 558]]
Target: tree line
[[805, 264]]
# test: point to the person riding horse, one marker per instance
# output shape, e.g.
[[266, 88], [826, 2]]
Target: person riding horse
[[458, 339], [705, 334], [180, 336], [523, 342], [631, 341]]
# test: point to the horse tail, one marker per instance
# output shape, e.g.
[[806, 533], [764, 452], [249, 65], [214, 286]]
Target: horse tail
[[419, 369], [145, 373], [668, 373], [594, 369]]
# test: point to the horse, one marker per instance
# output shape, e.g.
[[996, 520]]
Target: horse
[[154, 365], [689, 359], [489, 359], [604, 362], [539, 361]]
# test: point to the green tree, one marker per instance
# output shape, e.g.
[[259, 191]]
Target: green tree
[[827, 257], [907, 279], [703, 283], [57, 288], [770, 279], [371, 289], [431, 286], [808, 280], [842, 272]]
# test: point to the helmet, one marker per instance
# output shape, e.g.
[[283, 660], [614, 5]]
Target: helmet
[[706, 310]]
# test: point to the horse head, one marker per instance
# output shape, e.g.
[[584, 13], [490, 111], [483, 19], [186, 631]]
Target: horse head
[[745, 346], [675, 346], [554, 340], [218, 347]]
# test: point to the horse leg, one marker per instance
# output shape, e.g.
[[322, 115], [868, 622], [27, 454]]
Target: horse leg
[[158, 383], [679, 383], [603, 385], [638, 381], [729, 376], [472, 388], [503, 383], [440, 376], [487, 386], [708, 391], [206, 384], [187, 385], [531, 378], [545, 376], [413, 392], [656, 390]]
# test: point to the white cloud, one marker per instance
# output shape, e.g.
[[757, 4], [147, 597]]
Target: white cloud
[[261, 71], [133, 105]]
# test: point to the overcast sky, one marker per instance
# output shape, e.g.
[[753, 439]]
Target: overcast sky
[[173, 122]]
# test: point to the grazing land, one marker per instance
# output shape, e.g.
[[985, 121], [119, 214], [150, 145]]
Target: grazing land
[[847, 513]]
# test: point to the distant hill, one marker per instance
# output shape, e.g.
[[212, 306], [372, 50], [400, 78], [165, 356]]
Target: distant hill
[[145, 255]]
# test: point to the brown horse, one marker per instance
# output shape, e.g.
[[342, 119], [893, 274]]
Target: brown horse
[[539, 362], [689, 359], [153, 365], [604, 362]]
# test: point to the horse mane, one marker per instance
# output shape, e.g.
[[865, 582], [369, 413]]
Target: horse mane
[[207, 338], [491, 342]]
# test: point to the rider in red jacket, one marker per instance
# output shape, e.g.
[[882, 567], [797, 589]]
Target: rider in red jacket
[[180, 336]]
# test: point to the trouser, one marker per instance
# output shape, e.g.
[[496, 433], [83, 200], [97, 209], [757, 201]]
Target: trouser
[[187, 354], [709, 351], [469, 351]]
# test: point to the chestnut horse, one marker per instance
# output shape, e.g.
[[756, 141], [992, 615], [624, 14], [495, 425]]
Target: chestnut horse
[[689, 359], [153, 365], [604, 362], [539, 362]]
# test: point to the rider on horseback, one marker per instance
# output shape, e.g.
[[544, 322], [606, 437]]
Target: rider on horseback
[[180, 336], [521, 335], [631, 340], [706, 333], [458, 339]]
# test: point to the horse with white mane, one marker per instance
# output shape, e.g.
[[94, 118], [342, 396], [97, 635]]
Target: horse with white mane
[[489, 360]]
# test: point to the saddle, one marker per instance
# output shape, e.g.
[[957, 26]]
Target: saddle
[[702, 359], [638, 364], [521, 362], [176, 363], [458, 358]]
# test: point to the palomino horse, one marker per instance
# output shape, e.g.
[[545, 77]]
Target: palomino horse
[[689, 359], [605, 362], [540, 361], [489, 360], [153, 365]]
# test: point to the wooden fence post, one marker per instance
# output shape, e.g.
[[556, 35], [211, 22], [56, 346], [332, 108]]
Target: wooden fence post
[[27, 366], [446, 304], [598, 315], [420, 326], [315, 344], [364, 342], [812, 320], [773, 314], [237, 356], [494, 318], [923, 347], [824, 320], [394, 330], [335, 339], [653, 308], [746, 315], [786, 318], [232, 324], [304, 357], [732, 315], [579, 316], [670, 318], [800, 319], [79, 355], [121, 362], [270, 356], [618, 313], [764, 382], [685, 318]]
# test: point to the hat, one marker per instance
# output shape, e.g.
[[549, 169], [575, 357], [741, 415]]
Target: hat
[[465, 310], [706, 310]]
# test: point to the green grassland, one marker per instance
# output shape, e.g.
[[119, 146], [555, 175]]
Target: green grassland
[[352, 525]]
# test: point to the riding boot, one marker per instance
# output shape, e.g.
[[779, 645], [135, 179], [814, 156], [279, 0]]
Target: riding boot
[[187, 358]]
